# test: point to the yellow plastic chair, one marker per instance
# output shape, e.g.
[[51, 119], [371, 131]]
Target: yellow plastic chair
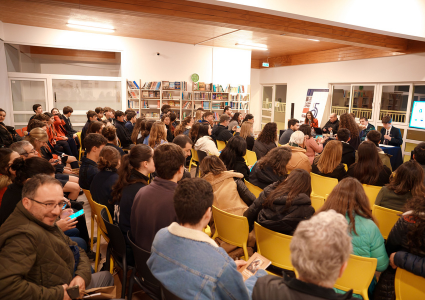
[[322, 185], [194, 161], [81, 145], [345, 167], [371, 192], [386, 219], [231, 229], [358, 275], [317, 202], [207, 230], [253, 188], [250, 158], [221, 145], [92, 215], [274, 246], [408, 286]]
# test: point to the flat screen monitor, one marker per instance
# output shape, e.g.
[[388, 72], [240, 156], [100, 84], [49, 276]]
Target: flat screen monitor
[[417, 117]]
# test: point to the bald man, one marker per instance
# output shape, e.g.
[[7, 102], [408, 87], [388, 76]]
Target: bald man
[[332, 124]]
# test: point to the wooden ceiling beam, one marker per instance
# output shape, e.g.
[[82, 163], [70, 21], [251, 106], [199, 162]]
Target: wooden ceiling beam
[[241, 19]]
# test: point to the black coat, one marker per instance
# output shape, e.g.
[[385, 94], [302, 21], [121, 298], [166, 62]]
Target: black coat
[[334, 125], [88, 170], [101, 188], [123, 134], [10, 199], [170, 135], [338, 173], [8, 135], [264, 177], [348, 154], [250, 142], [383, 179], [276, 218], [68, 125], [221, 133], [395, 134], [262, 149], [240, 167]]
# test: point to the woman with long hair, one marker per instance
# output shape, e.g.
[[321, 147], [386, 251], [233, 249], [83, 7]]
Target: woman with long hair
[[204, 142], [310, 120], [266, 140], [311, 146], [249, 118], [167, 121], [283, 204], [233, 156], [349, 199], [347, 121], [184, 126], [132, 176], [369, 168], [328, 163], [271, 168], [158, 135], [145, 134], [139, 127], [8, 134], [101, 185], [247, 132], [198, 114], [57, 140], [235, 121], [7, 156], [110, 133], [194, 131], [406, 182]]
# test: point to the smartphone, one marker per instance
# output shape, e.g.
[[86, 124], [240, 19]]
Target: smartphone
[[73, 292], [252, 166], [77, 214], [238, 126]]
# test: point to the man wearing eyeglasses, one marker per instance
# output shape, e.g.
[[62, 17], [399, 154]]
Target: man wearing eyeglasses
[[37, 260], [24, 148]]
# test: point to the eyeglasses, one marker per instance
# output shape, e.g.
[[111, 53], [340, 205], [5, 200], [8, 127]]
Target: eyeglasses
[[50, 206], [33, 151]]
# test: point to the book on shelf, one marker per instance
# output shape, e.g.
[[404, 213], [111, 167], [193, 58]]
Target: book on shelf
[[177, 85], [255, 262], [206, 105], [133, 95], [202, 86], [136, 85], [216, 116], [131, 84], [165, 85]]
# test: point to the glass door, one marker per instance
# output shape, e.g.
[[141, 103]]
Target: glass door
[[267, 112], [361, 101], [26, 93], [280, 107], [395, 102]]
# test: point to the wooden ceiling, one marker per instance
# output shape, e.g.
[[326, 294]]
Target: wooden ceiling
[[192, 23]]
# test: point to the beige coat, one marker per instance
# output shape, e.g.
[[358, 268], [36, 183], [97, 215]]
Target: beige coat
[[299, 159]]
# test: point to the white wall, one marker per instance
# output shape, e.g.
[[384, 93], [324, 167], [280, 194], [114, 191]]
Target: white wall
[[406, 68]]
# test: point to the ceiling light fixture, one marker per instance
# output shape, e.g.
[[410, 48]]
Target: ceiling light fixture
[[252, 46], [91, 26], [313, 40]]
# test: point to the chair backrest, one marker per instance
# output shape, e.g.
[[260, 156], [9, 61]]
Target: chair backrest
[[274, 246], [250, 157], [79, 137], [386, 219], [230, 228], [371, 193], [98, 212], [322, 185], [317, 202], [91, 202], [253, 189], [116, 238], [221, 145], [201, 155], [167, 295], [20, 132], [194, 155], [358, 275], [345, 167], [408, 286]]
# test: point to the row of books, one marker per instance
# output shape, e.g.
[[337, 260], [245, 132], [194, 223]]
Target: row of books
[[133, 104], [238, 89], [187, 105], [152, 115], [172, 103], [132, 84], [133, 94], [146, 104], [219, 105], [153, 85], [150, 94], [239, 97], [220, 97], [167, 85], [201, 96]]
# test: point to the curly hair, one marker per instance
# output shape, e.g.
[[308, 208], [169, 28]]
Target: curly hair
[[268, 134], [277, 159], [347, 121], [182, 126], [110, 133], [109, 158], [417, 230]]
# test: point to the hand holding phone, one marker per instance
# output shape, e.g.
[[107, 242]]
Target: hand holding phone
[[73, 292], [77, 214]]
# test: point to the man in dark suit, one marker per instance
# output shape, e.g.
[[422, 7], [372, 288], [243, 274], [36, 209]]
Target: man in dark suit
[[122, 132], [390, 135], [67, 112]]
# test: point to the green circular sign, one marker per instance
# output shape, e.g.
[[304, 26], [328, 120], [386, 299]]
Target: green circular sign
[[195, 77]]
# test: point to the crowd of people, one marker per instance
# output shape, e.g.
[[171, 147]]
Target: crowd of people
[[136, 168]]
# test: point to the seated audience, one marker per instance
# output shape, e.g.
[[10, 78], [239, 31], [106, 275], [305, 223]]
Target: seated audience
[[184, 126], [37, 109], [369, 168], [99, 111], [312, 147], [7, 156], [365, 126], [153, 207], [235, 120], [310, 120], [91, 117], [123, 134], [293, 125], [349, 199], [233, 156], [101, 185], [195, 261], [110, 133], [8, 134], [332, 125], [271, 168], [146, 132], [204, 142], [96, 127], [94, 144], [166, 120], [299, 159], [247, 132], [266, 140], [67, 112], [173, 120], [328, 163], [248, 118], [405, 183], [131, 121], [348, 151], [220, 131], [208, 118], [230, 192], [228, 111], [59, 127], [24, 148], [390, 135], [198, 115], [109, 115], [375, 137], [283, 204], [139, 127], [158, 135], [320, 249], [165, 109], [57, 141], [419, 155], [347, 121], [184, 142], [194, 131], [32, 224]]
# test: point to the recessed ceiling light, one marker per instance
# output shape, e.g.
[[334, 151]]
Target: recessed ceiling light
[[252, 46], [313, 40], [90, 26]]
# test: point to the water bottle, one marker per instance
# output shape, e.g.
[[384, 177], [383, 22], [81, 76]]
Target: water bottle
[[331, 134]]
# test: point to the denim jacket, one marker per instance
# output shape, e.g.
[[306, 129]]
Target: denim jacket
[[191, 265]]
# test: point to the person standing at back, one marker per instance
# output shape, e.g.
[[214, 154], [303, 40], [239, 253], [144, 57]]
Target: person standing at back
[[293, 125], [99, 112], [390, 135], [153, 206]]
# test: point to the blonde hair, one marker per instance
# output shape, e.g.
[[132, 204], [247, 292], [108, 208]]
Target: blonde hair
[[330, 157], [37, 134], [157, 134], [320, 246], [246, 129], [199, 114]]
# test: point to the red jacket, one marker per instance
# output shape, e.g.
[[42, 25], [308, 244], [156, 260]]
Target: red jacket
[[314, 124], [59, 123]]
